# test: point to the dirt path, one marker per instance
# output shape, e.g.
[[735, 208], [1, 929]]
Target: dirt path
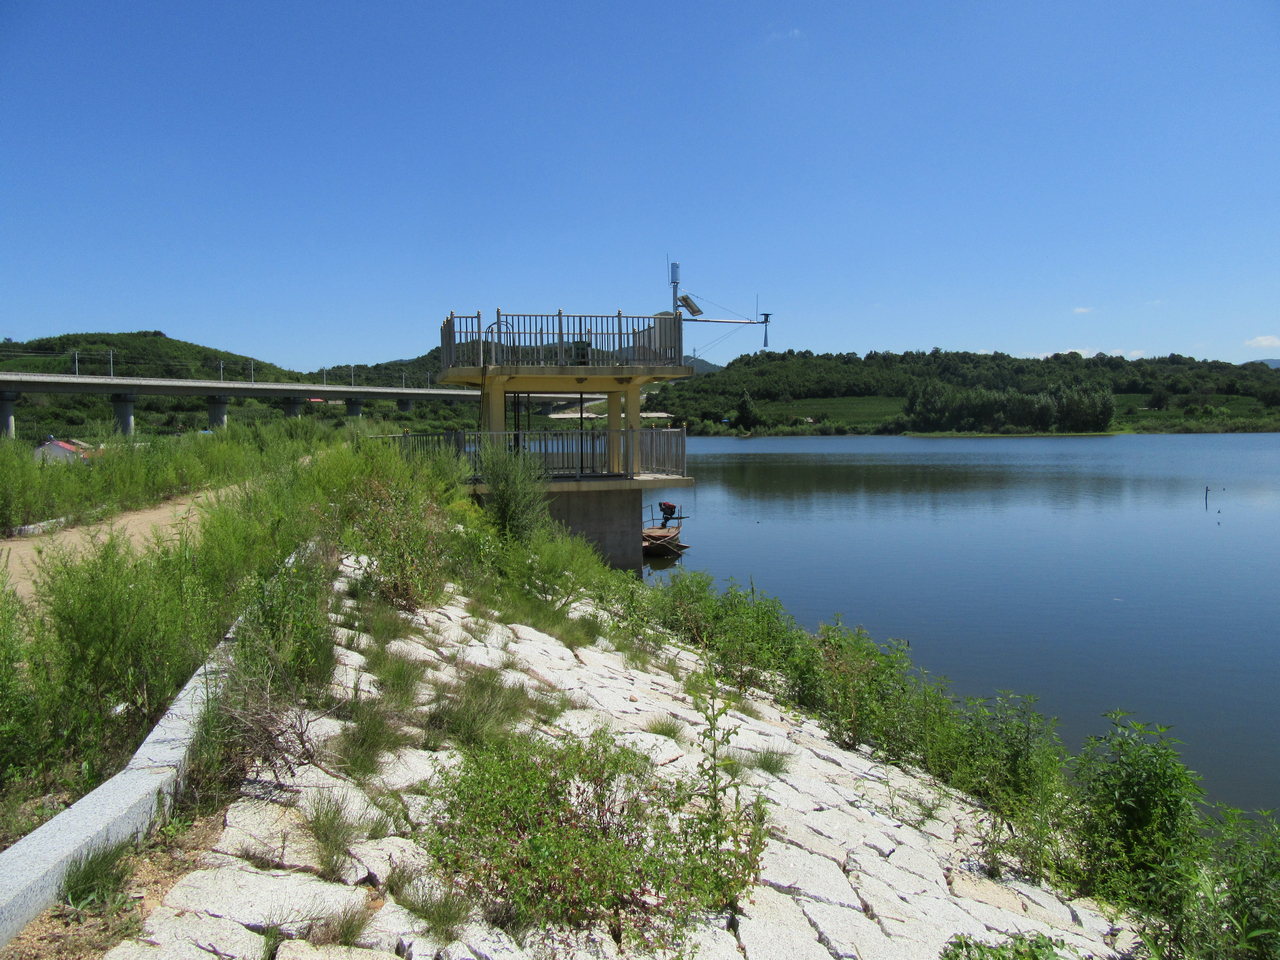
[[21, 555]]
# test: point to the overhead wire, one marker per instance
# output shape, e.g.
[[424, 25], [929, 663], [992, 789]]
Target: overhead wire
[[720, 305]]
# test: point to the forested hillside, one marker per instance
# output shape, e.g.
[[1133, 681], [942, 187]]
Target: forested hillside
[[964, 391]]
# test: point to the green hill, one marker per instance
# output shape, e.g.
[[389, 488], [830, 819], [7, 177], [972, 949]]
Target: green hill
[[143, 354], [807, 392]]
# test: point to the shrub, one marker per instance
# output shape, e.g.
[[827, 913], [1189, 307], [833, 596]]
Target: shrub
[[399, 527], [119, 633], [286, 636], [1139, 832], [516, 497]]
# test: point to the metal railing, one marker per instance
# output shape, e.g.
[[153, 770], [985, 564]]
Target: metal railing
[[568, 454], [561, 340]]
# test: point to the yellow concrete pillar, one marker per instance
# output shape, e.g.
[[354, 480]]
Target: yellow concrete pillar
[[616, 445], [493, 405], [633, 424]]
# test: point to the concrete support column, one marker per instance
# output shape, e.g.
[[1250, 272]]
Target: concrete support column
[[404, 406], [616, 446], [633, 425], [355, 406], [122, 406], [7, 425], [217, 411], [293, 406], [493, 406]]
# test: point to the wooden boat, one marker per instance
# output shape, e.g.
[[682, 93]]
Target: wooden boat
[[662, 538]]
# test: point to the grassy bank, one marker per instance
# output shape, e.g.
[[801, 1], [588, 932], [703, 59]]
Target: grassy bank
[[1123, 821], [113, 632], [129, 473]]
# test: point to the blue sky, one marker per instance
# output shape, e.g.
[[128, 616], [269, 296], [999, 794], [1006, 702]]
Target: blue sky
[[320, 183]]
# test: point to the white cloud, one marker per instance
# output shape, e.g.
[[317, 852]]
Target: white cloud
[[1267, 341], [1135, 354], [1084, 310]]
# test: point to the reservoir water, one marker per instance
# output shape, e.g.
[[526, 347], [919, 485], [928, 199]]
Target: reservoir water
[[1088, 571]]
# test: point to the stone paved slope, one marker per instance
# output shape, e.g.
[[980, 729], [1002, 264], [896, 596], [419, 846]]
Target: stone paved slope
[[864, 861]]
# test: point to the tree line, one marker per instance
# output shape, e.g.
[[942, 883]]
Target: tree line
[[954, 390]]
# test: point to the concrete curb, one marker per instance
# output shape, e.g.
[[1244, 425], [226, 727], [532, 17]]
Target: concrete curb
[[31, 529], [125, 807]]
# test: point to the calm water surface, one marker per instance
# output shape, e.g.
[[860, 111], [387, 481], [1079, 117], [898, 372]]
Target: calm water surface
[[1087, 571]]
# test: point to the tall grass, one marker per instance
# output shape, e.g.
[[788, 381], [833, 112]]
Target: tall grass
[[114, 631], [516, 501], [130, 472]]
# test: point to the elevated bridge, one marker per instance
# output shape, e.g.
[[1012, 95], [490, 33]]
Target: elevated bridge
[[124, 392]]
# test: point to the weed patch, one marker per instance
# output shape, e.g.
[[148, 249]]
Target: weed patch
[[442, 907], [482, 708], [668, 727], [333, 830], [96, 880], [370, 734], [582, 835], [342, 929]]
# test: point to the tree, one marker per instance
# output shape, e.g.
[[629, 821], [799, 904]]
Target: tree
[[748, 413]]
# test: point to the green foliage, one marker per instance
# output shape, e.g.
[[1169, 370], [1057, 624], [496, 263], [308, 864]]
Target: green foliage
[[580, 835], [770, 760], [748, 414], [726, 833], [868, 694], [770, 376], [932, 407], [399, 527], [1017, 947], [124, 475], [1139, 834], [17, 709], [516, 497], [285, 636], [115, 634], [343, 928], [398, 678], [1236, 910], [668, 727]]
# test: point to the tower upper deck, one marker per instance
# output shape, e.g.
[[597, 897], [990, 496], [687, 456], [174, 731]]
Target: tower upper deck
[[559, 351]]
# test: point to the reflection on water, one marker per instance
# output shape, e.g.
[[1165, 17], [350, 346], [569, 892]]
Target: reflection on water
[[1089, 571]]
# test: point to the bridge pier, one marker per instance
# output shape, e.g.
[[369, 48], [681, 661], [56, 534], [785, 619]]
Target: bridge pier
[[7, 400], [7, 424], [355, 406], [404, 406], [293, 406], [122, 406], [218, 411]]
